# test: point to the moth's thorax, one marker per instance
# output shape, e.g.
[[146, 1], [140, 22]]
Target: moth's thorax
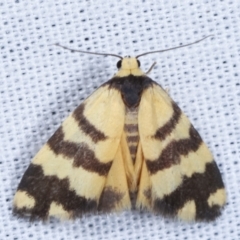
[[129, 66]]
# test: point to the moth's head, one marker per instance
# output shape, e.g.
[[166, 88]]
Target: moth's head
[[128, 63], [129, 66]]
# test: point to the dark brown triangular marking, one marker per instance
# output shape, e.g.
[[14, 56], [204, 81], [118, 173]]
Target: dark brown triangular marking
[[165, 130], [46, 189], [197, 188], [131, 88], [81, 153], [88, 128], [109, 199], [171, 154]]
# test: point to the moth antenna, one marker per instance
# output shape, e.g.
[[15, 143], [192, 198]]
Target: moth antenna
[[150, 69], [164, 50], [74, 50]]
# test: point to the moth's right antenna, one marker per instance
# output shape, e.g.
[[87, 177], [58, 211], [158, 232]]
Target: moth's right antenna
[[164, 50]]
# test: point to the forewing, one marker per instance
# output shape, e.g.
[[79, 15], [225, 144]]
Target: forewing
[[181, 178], [67, 176]]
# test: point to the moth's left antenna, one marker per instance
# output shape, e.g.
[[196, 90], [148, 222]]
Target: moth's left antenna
[[74, 50]]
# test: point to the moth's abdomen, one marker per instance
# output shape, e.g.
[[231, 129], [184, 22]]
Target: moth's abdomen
[[131, 130]]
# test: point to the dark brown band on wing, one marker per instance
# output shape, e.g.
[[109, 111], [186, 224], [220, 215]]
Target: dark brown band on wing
[[86, 158], [81, 153], [165, 130], [198, 188], [109, 199], [88, 128], [45, 190], [59, 146], [172, 153]]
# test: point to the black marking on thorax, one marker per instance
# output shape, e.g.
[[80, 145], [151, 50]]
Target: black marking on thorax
[[131, 88]]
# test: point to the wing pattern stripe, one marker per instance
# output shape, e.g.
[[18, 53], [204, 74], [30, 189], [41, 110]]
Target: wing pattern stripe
[[88, 128], [109, 199], [83, 156], [165, 130], [40, 187], [173, 151], [198, 188], [60, 146]]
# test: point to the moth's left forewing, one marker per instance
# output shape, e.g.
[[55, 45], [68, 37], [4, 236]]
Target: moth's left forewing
[[181, 178]]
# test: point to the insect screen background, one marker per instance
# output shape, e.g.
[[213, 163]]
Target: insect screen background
[[40, 84]]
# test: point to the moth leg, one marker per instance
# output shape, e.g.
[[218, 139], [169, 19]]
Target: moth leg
[[167, 89]]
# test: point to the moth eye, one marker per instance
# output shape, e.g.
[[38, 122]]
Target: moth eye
[[119, 64], [138, 62]]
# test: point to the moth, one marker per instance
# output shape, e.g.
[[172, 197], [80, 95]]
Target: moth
[[127, 138]]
